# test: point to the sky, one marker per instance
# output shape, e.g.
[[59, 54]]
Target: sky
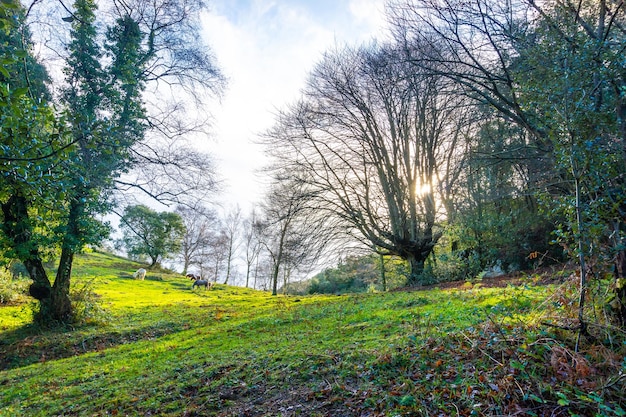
[[265, 49]]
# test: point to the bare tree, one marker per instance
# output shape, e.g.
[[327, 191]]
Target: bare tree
[[252, 247], [374, 138], [200, 230], [292, 234], [467, 44], [231, 230], [213, 256]]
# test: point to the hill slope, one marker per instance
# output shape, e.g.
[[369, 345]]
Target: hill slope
[[159, 348]]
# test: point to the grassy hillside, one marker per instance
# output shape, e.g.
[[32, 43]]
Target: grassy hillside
[[156, 347]]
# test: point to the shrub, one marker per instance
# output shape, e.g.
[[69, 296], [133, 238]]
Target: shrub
[[13, 288], [87, 305]]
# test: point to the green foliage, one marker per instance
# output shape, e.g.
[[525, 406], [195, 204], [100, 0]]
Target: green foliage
[[19, 68], [87, 306], [498, 217], [352, 275], [13, 288], [575, 85], [150, 233], [103, 111], [31, 142], [359, 274], [512, 236]]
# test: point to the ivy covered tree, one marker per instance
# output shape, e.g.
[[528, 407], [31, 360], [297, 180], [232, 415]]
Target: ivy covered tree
[[149, 233], [73, 160], [105, 117], [34, 145]]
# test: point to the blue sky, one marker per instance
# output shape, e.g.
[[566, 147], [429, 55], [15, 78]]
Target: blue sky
[[266, 48]]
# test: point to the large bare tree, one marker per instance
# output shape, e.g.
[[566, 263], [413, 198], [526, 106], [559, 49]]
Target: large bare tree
[[375, 140]]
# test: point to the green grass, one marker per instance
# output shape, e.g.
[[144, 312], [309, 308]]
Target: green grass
[[162, 349]]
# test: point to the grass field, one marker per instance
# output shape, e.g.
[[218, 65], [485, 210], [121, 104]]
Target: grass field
[[157, 348]]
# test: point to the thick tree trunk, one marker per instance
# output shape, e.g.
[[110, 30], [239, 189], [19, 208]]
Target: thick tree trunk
[[61, 307], [416, 270], [18, 229]]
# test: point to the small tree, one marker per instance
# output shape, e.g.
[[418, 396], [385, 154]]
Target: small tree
[[252, 246], [213, 255], [232, 224], [292, 233], [200, 224], [147, 232]]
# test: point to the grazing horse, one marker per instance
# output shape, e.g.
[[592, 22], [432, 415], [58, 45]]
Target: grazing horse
[[202, 283], [140, 274], [193, 276]]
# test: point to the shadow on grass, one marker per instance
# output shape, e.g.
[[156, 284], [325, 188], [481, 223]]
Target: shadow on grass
[[31, 344]]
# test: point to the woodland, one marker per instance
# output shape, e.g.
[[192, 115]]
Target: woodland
[[479, 139]]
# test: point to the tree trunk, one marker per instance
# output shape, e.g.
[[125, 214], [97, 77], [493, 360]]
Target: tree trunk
[[61, 306], [618, 304], [275, 272], [581, 257], [18, 229], [620, 288], [256, 272], [228, 262], [383, 277], [416, 271]]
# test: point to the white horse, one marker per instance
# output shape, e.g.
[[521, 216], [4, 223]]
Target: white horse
[[140, 274]]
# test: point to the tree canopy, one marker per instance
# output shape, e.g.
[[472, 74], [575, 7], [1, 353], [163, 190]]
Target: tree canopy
[[149, 233]]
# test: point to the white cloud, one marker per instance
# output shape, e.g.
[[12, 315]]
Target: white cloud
[[266, 48], [370, 11]]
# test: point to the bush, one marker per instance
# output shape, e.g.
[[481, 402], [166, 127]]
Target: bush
[[13, 288], [329, 283], [452, 266], [87, 306]]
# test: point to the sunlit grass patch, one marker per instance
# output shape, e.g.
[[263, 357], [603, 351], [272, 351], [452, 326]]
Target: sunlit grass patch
[[13, 317], [167, 349]]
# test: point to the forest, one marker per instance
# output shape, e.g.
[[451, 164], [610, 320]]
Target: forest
[[477, 139]]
